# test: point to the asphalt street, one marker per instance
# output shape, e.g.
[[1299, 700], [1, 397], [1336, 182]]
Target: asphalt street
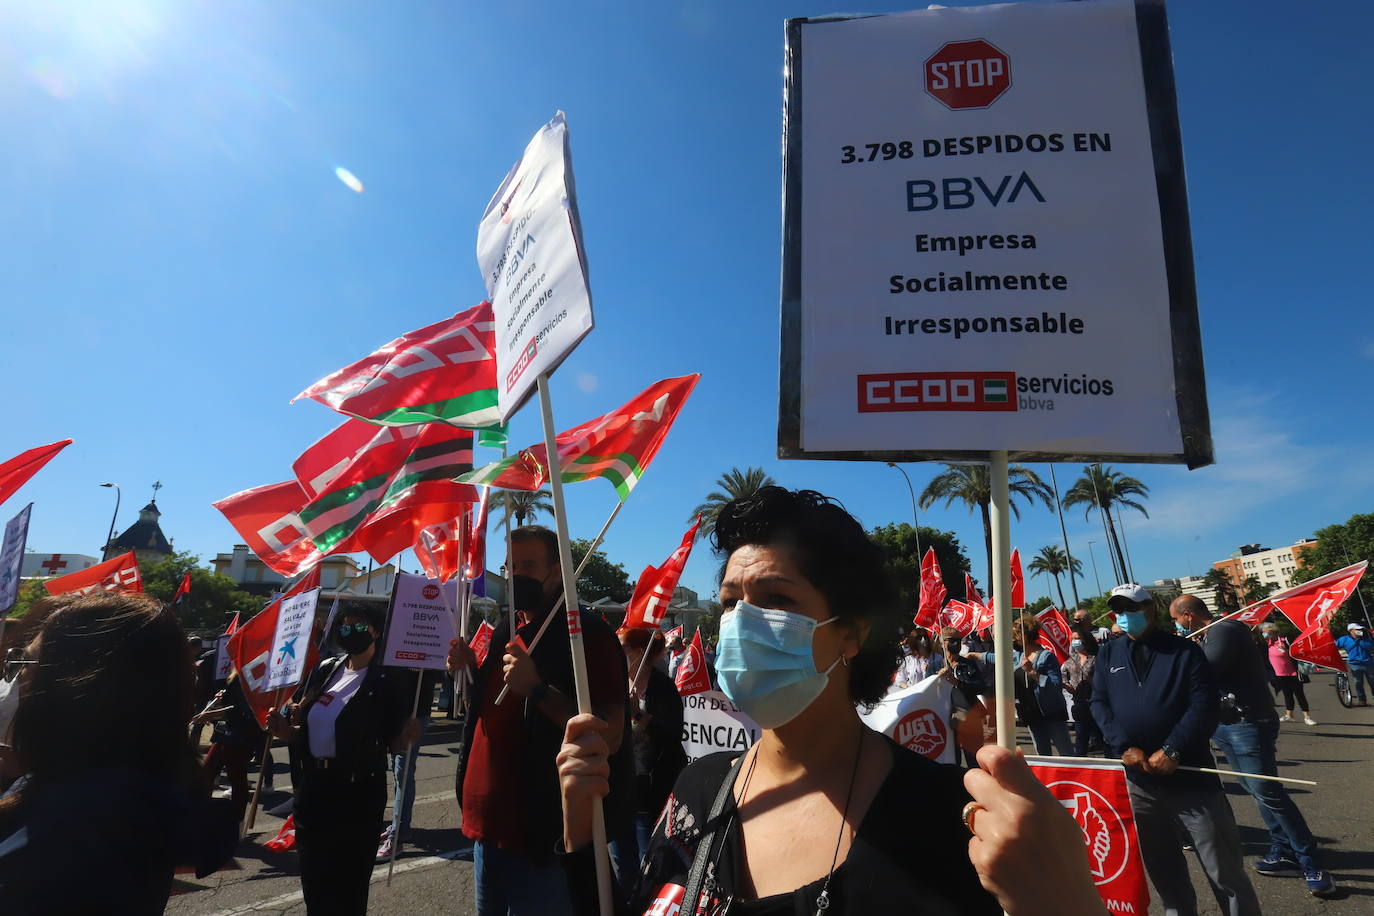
[[434, 872]]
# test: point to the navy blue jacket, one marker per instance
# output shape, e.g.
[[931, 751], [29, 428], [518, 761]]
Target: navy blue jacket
[[1172, 701]]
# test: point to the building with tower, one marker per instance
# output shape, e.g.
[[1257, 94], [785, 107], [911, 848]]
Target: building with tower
[[144, 537]]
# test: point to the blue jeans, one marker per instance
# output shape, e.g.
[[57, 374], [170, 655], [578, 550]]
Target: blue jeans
[[1049, 736], [1358, 675], [509, 884], [1250, 748], [406, 762]]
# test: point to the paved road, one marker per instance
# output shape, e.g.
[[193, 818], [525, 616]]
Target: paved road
[[434, 875]]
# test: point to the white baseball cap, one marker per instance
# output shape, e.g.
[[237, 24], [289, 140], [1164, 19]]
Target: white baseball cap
[[1354, 626], [1135, 594]]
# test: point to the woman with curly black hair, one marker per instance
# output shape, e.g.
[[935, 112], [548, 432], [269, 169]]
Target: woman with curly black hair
[[816, 817]]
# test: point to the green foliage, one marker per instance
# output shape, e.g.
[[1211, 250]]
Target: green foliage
[[733, 484], [971, 485], [601, 578], [1256, 591], [29, 592], [903, 563], [1054, 561], [1044, 601], [1104, 488], [709, 623], [1337, 547], [212, 595]]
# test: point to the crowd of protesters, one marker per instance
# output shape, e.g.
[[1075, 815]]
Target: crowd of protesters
[[97, 697]]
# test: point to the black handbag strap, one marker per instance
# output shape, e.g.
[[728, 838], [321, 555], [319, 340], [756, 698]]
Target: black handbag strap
[[691, 897]]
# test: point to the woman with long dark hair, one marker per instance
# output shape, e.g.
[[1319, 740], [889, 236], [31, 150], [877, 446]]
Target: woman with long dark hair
[[112, 798], [341, 722]]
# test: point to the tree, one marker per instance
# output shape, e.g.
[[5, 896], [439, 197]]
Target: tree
[[1256, 591], [903, 563], [525, 505], [1228, 597], [733, 484], [1053, 561], [29, 592], [1044, 601], [601, 578], [709, 623], [971, 484], [1103, 488], [1337, 547], [212, 596]]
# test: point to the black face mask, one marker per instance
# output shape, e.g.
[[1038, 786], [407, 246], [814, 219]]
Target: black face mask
[[529, 595], [355, 641]]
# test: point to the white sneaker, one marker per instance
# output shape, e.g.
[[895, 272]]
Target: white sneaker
[[1286, 717], [1307, 720]]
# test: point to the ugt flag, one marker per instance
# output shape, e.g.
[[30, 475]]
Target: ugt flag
[[118, 575], [481, 642], [617, 446], [1054, 632], [1018, 581], [917, 718], [1311, 606], [442, 373], [692, 673], [933, 592], [960, 616], [654, 591], [1095, 794], [982, 613]]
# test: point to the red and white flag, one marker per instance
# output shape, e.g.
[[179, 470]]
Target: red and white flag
[[654, 591], [933, 592], [960, 616], [268, 520], [1095, 794], [475, 540], [1054, 632], [692, 673], [674, 633], [15, 472], [118, 575], [481, 642], [439, 549], [250, 650], [1018, 582], [982, 611], [184, 589], [917, 718], [1311, 606], [285, 840]]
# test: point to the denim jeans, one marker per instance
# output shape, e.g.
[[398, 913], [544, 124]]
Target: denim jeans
[[1359, 674], [1249, 747], [509, 884], [406, 762], [1049, 736]]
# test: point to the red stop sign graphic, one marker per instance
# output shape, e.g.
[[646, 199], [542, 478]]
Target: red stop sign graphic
[[430, 591], [967, 74]]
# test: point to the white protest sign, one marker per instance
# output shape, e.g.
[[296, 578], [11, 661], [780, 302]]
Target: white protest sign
[[917, 718], [419, 626], [12, 558], [223, 664], [291, 642], [529, 249], [711, 724], [987, 246]]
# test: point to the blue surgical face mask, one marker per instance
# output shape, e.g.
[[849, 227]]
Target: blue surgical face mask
[[1132, 623], [1075, 645], [765, 665]]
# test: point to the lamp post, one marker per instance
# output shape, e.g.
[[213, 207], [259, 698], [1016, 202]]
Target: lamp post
[[110, 536], [915, 519], [1093, 555]]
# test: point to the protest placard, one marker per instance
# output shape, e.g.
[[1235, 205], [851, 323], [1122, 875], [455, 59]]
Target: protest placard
[[711, 724], [419, 625], [12, 559], [291, 641]]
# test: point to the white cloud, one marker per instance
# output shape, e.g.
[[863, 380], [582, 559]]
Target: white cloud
[[1367, 348]]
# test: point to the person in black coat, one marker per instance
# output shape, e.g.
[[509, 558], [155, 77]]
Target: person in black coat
[[236, 735], [655, 729], [341, 722]]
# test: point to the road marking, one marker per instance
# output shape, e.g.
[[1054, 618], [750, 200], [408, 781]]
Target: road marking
[[283, 901]]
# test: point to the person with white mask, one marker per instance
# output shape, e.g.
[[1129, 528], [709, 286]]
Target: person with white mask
[[815, 817]]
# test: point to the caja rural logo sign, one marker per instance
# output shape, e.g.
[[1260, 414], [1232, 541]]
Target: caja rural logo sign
[[967, 74], [888, 392]]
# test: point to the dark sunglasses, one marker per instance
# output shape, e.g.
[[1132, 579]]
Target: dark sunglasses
[[345, 628]]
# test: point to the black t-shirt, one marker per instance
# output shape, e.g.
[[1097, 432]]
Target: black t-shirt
[[910, 854], [1240, 667]]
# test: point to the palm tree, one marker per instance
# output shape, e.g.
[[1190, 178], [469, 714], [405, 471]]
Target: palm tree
[[971, 485], [1227, 595], [1102, 488], [733, 484], [1054, 561], [524, 505]]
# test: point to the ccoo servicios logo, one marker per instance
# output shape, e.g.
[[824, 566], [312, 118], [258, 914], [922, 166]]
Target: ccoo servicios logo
[[967, 74]]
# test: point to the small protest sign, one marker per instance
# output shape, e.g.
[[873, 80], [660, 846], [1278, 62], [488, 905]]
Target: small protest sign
[[917, 718], [291, 642], [12, 557], [419, 626], [711, 723]]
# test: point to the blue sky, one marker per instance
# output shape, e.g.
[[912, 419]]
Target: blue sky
[[179, 259]]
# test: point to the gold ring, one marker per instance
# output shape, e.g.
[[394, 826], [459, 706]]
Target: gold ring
[[967, 814]]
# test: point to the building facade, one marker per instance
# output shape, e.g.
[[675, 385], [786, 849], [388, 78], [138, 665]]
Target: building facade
[[253, 575], [144, 537], [1270, 565], [47, 565]]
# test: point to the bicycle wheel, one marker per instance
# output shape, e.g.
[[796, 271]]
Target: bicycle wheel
[[1343, 689]]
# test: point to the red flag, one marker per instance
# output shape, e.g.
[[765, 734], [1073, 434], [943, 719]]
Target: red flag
[[183, 589], [692, 675], [1054, 632], [1018, 582], [960, 616], [933, 591], [438, 549], [1311, 606], [443, 373], [475, 544], [285, 840], [251, 645], [481, 642], [16, 472], [985, 619], [1095, 794], [982, 612], [118, 575], [268, 520], [674, 633], [654, 591]]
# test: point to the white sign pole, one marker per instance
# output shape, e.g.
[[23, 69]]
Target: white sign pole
[[1000, 575], [579, 655]]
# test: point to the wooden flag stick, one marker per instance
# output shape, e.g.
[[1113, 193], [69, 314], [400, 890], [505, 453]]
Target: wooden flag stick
[[575, 642], [399, 798], [539, 634], [262, 769]]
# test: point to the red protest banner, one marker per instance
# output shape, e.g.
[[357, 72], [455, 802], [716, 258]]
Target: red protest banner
[[118, 575], [692, 674], [1095, 794]]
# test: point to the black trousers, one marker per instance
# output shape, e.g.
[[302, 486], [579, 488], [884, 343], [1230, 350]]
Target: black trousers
[[338, 823]]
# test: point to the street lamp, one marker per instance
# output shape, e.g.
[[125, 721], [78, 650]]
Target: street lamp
[[110, 536], [1093, 555], [915, 520]]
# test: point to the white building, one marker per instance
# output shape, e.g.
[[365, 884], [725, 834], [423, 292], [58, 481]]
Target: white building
[[45, 565], [253, 575]]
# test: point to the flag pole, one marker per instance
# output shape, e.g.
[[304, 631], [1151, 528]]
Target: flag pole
[[1236, 773], [262, 771], [596, 542], [401, 780], [575, 643], [1000, 518]]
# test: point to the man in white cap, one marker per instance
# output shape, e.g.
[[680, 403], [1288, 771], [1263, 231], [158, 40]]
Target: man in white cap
[[1359, 658], [1155, 699]]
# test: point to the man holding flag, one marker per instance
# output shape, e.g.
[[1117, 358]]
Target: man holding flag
[[1248, 736]]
